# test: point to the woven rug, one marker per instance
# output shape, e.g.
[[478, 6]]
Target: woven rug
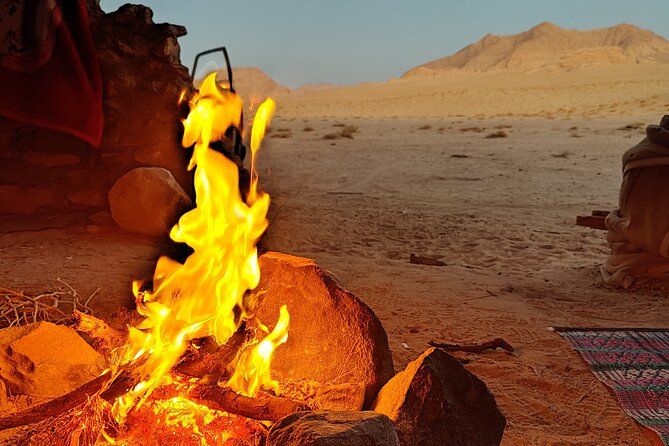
[[634, 363]]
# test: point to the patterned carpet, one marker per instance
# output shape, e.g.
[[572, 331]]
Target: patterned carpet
[[634, 363]]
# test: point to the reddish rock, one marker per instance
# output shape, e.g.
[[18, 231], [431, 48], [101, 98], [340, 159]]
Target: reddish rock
[[334, 338], [140, 70], [26, 200], [333, 429], [101, 218], [46, 360], [147, 200], [139, 63], [437, 402], [45, 159], [340, 396], [92, 198]]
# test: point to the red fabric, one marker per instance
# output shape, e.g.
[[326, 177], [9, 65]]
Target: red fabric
[[57, 85]]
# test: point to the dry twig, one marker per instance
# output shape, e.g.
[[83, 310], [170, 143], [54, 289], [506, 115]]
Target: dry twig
[[18, 308], [474, 348]]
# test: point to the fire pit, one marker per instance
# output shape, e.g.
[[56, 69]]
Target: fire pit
[[235, 349]]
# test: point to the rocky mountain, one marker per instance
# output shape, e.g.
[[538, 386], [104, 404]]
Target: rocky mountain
[[251, 83], [549, 47]]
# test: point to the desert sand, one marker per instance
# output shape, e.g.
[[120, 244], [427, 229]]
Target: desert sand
[[498, 211], [611, 91], [422, 174]]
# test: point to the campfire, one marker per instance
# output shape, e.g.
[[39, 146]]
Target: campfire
[[204, 299], [233, 348], [199, 355]]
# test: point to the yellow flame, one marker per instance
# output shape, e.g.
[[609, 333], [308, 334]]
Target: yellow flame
[[260, 121], [204, 295], [253, 366]]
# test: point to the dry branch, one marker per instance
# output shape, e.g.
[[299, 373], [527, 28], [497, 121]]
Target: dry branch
[[103, 337], [17, 308], [55, 406], [262, 407], [474, 348], [213, 361], [200, 364]]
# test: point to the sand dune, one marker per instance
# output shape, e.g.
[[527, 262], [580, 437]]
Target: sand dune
[[549, 47], [616, 90], [252, 83]]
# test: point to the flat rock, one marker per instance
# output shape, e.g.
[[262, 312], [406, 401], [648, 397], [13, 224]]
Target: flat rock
[[91, 198], [148, 201], [46, 360], [437, 402], [324, 428], [333, 338], [26, 200], [101, 218], [347, 396], [45, 159]]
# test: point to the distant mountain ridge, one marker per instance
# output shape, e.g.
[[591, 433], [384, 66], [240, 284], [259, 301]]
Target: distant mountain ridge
[[252, 83], [549, 47]]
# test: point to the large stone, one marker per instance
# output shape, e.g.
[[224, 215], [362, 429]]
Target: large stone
[[333, 338], [139, 63], [333, 429], [46, 360], [140, 70], [147, 200], [437, 402]]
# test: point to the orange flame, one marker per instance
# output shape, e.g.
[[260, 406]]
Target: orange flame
[[204, 295], [252, 369]]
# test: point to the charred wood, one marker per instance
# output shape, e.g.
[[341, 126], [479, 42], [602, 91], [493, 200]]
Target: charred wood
[[474, 348]]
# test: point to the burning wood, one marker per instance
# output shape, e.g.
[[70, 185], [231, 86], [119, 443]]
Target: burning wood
[[102, 336], [56, 406], [262, 407], [200, 364]]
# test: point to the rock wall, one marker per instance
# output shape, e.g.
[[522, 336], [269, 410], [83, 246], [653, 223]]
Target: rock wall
[[42, 170]]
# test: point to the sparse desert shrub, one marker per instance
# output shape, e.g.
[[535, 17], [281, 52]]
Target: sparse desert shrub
[[338, 124], [498, 134], [348, 131], [459, 155], [473, 129], [308, 129], [425, 127], [563, 154], [282, 133], [633, 126], [331, 136]]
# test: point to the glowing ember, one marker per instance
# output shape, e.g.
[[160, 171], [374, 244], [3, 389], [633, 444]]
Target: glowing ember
[[204, 295], [169, 418]]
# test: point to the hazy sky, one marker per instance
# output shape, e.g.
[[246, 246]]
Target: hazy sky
[[351, 41]]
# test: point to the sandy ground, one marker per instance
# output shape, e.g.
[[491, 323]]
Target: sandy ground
[[498, 211], [615, 90]]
